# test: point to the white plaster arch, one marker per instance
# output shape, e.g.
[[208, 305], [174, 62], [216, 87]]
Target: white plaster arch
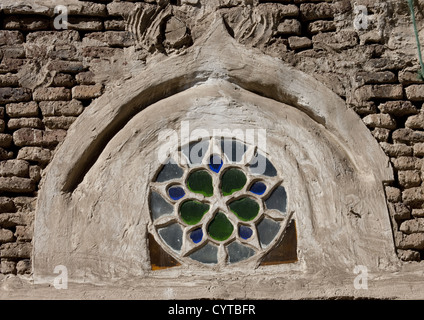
[[217, 67]]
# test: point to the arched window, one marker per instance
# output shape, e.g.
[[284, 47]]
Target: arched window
[[109, 209]]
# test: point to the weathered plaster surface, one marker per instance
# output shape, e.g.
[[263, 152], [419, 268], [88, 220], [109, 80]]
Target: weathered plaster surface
[[92, 214], [340, 225]]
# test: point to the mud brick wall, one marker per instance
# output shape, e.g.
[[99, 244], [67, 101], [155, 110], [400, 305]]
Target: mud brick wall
[[48, 77]]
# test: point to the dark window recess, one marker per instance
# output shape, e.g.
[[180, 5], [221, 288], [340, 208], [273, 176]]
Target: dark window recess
[[286, 250], [159, 259]]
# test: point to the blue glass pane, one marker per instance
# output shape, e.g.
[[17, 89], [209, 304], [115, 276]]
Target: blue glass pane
[[258, 188], [261, 165], [206, 254], [197, 235], [267, 230], [169, 171], [159, 206], [176, 193], [172, 235], [238, 252], [215, 163], [245, 232], [277, 200]]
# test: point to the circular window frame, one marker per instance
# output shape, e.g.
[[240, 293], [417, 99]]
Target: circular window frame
[[220, 203]]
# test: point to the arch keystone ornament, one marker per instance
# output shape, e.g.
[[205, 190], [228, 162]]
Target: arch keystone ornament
[[112, 209]]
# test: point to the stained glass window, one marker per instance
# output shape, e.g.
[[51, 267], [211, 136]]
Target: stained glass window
[[218, 206]]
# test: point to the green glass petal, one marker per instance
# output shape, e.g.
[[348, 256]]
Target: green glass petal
[[220, 228], [246, 209], [193, 211], [200, 182], [232, 180]]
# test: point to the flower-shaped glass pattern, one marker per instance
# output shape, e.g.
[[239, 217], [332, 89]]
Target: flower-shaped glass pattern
[[224, 202]]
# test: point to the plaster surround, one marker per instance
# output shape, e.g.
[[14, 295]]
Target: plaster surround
[[92, 212]]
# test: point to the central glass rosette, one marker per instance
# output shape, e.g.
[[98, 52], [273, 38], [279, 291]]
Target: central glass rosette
[[217, 201]]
